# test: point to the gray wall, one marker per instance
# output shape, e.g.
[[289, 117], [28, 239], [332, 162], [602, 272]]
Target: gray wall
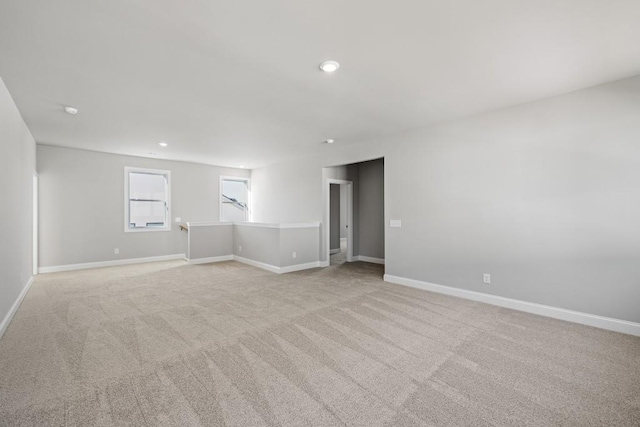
[[257, 243], [543, 196], [353, 175], [275, 246], [208, 241], [304, 241], [344, 213], [82, 205], [371, 208], [17, 166], [334, 232]]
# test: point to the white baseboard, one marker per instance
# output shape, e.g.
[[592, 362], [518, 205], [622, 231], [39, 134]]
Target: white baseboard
[[262, 265], [324, 264], [70, 267], [334, 251], [368, 259], [273, 268], [211, 259], [602, 322], [14, 308], [298, 267], [268, 267]]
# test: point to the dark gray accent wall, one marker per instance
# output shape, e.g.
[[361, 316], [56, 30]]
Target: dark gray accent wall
[[368, 207], [334, 232], [371, 209], [344, 217]]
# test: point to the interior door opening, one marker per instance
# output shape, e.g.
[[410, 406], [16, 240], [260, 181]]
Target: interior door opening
[[339, 224], [365, 235], [339, 242]]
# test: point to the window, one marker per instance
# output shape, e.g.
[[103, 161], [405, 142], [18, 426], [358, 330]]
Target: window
[[147, 204], [234, 199]]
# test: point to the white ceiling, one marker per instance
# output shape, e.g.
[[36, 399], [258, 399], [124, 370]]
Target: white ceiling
[[237, 82]]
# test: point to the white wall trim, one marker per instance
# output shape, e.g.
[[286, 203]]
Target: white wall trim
[[207, 223], [83, 266], [369, 259], [278, 225], [14, 308], [602, 322], [254, 224], [211, 259], [262, 265], [298, 267], [334, 251], [268, 267], [273, 268], [300, 225]]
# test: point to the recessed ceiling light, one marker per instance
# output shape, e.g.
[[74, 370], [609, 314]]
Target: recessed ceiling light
[[329, 141], [242, 166], [71, 110], [162, 144], [329, 66]]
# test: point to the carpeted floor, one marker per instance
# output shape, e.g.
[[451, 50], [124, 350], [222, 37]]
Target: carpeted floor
[[228, 344], [340, 257]]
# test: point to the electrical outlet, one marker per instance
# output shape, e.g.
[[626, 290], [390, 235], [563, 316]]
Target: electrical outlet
[[486, 278], [239, 248], [178, 219], [294, 255], [116, 251]]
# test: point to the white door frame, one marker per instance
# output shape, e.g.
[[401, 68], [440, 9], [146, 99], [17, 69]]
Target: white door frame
[[327, 216], [35, 224]]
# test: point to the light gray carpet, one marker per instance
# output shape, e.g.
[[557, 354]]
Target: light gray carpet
[[228, 344], [340, 257]]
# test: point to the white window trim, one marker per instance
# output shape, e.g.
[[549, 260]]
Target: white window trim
[[235, 178], [127, 229]]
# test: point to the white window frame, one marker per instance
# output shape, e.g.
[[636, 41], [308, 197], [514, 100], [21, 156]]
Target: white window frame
[[127, 171], [235, 178]]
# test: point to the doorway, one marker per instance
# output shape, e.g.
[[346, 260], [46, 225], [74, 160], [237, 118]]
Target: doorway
[[339, 214], [366, 223]]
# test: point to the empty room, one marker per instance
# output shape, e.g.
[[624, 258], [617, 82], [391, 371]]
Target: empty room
[[320, 213]]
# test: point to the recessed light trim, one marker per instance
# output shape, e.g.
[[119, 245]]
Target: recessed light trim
[[162, 144], [71, 110], [329, 66], [329, 141]]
